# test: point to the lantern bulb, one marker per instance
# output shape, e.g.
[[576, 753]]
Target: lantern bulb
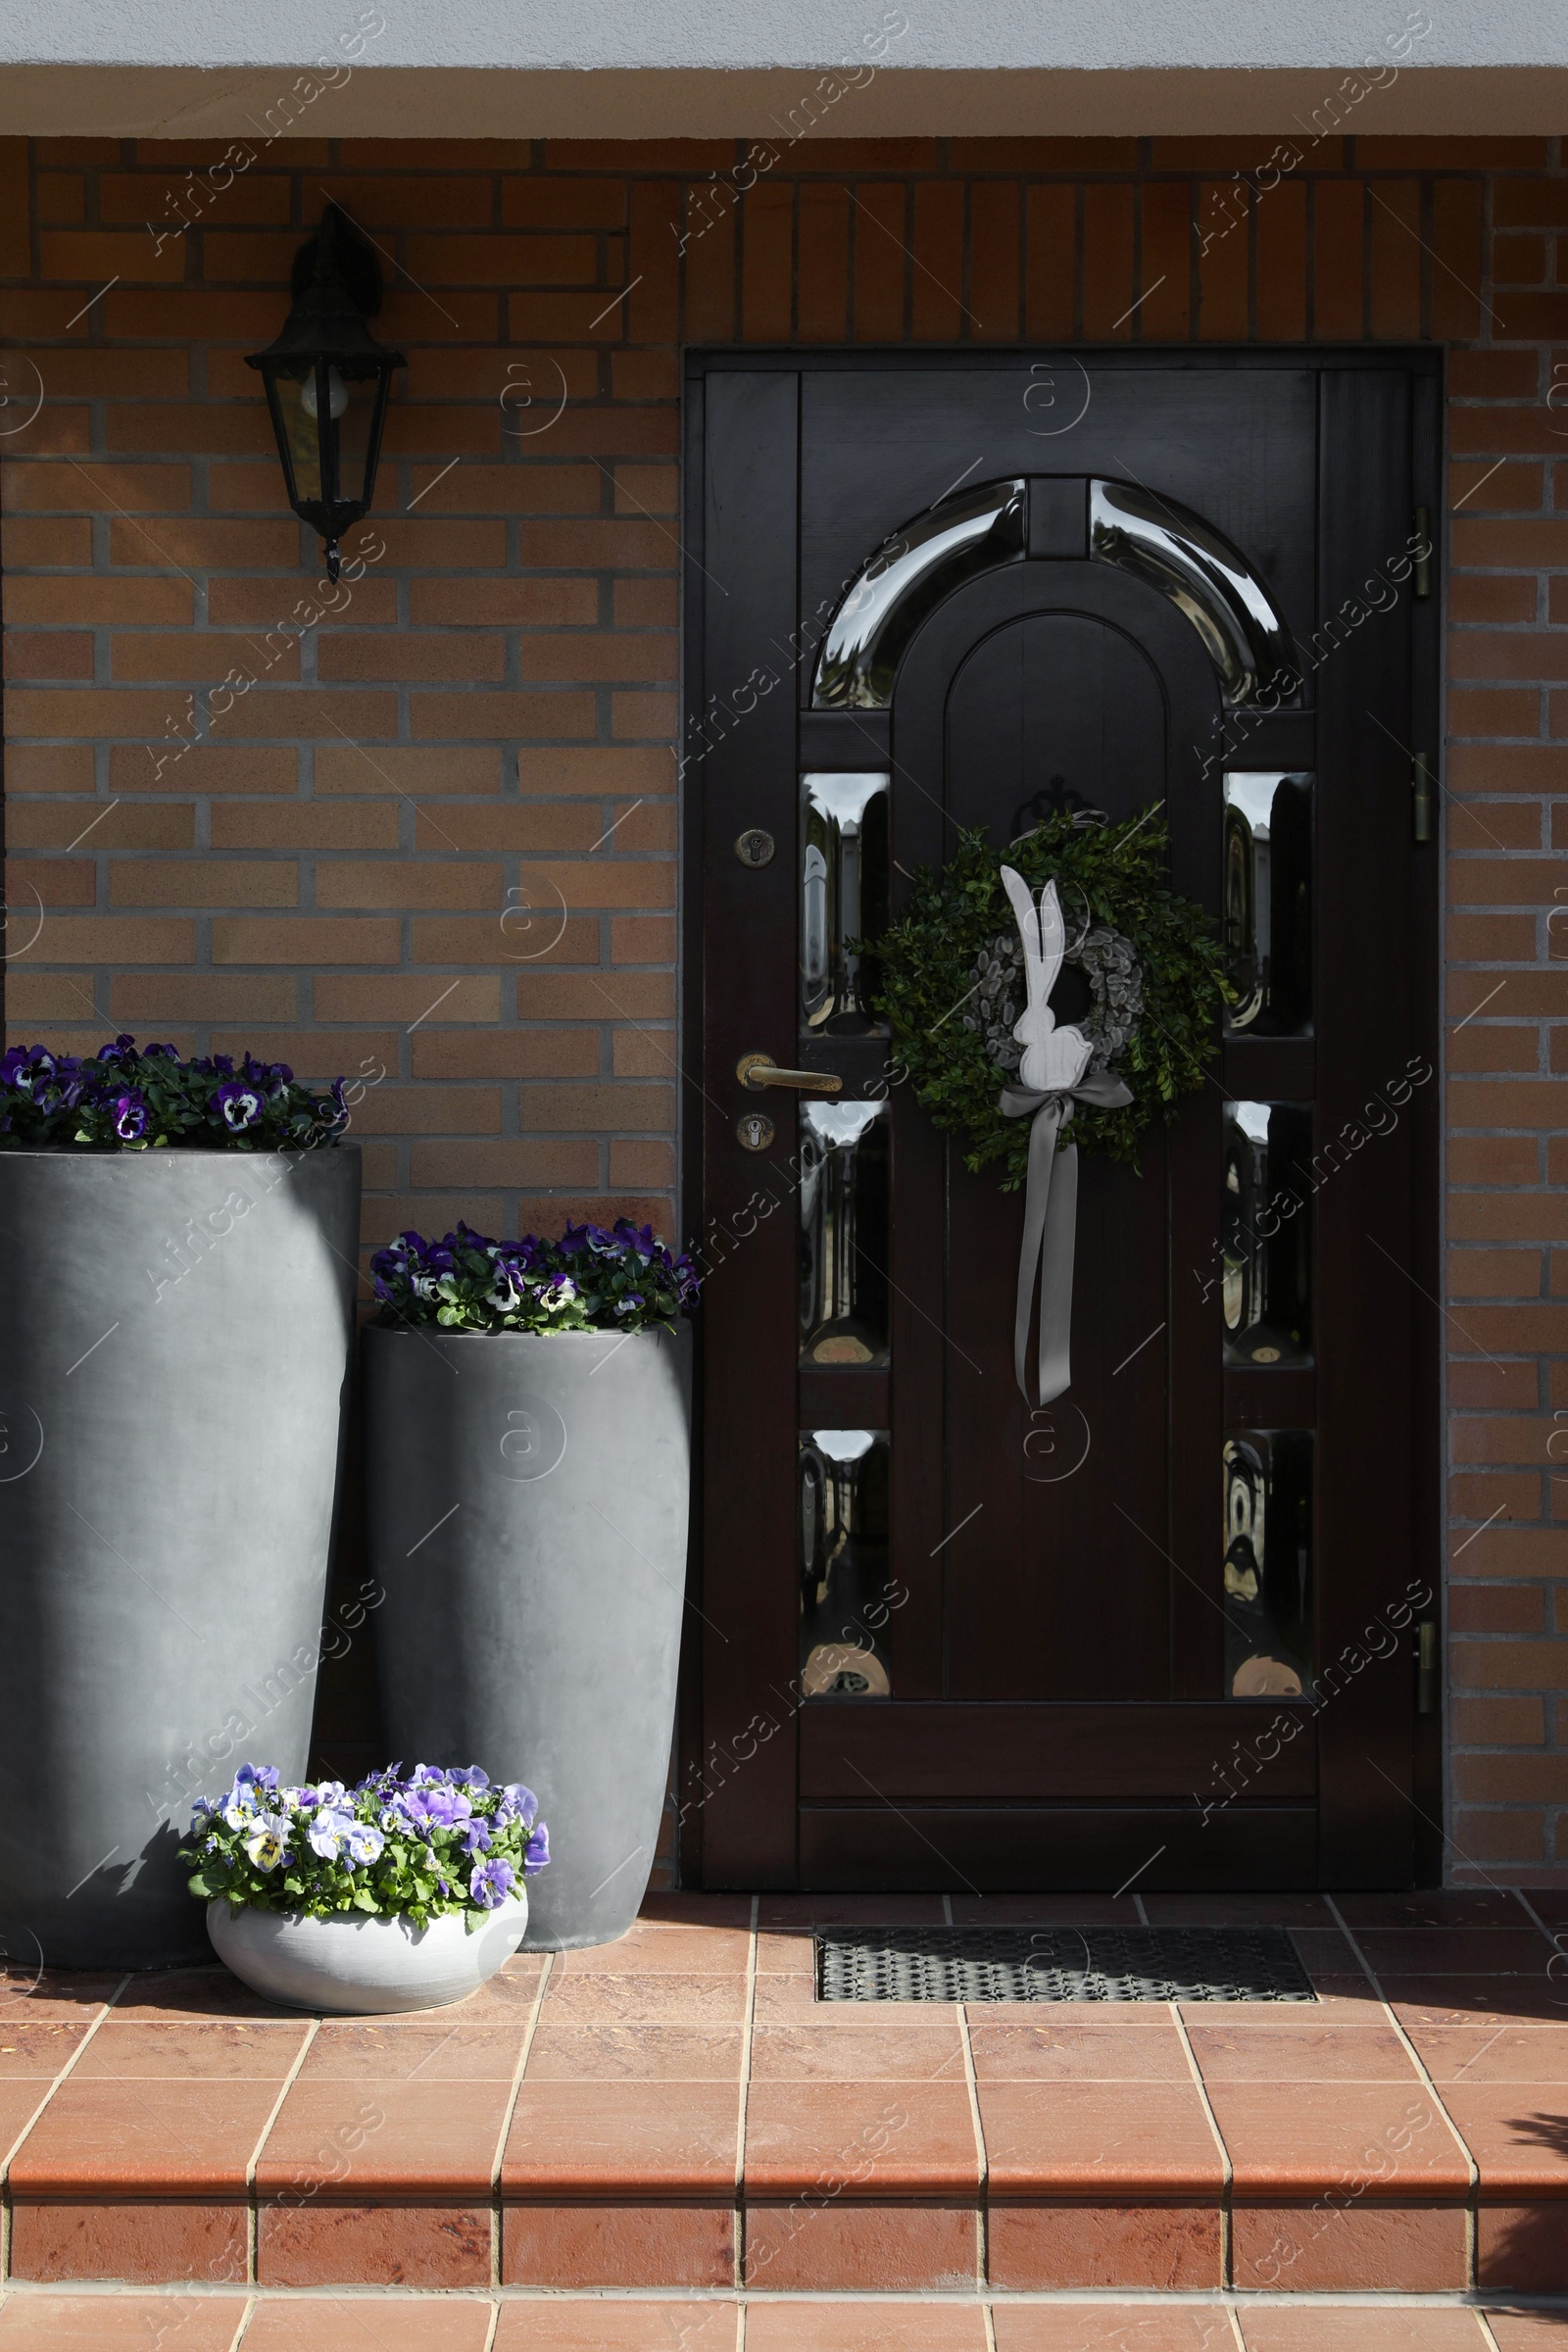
[[337, 394]]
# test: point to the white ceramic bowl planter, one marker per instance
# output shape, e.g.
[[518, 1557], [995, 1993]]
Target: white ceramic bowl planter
[[356, 1965]]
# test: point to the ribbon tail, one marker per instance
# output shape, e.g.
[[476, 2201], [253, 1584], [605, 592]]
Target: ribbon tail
[[1043, 1133], [1058, 1247]]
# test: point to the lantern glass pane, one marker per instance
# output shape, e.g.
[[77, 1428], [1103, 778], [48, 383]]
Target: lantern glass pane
[[303, 435]]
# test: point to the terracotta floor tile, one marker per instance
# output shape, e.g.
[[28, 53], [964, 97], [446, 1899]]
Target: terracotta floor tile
[[865, 2327], [1271, 2328], [614, 2326], [421, 2049], [31, 2052], [1493, 2054], [1299, 2052], [513, 1992], [1097, 2140], [1377, 2140], [617, 2139], [1166, 2244], [786, 1952], [825, 2244], [441, 2242], [1514, 1951], [45, 2321], [869, 2139], [583, 2243], [60, 1996], [1341, 2002], [134, 2240], [357, 2138], [565, 2053], [143, 2137], [21, 2096], [695, 1909], [652, 1947], [859, 1910], [1475, 2000], [632, 2000], [879, 2051], [209, 2050], [174, 1994], [1518, 2135], [1434, 1907], [1529, 2331], [1098, 2049], [363, 2324], [1344, 2244], [1043, 1911], [1325, 1953], [1112, 2327], [1522, 2247], [1261, 1910]]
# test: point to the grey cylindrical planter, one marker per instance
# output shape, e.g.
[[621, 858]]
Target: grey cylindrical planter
[[526, 1513], [175, 1339]]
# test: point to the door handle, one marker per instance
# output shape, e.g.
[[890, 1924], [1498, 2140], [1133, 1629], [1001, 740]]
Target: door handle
[[757, 1070]]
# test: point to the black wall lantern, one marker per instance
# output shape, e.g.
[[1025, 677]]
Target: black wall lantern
[[327, 380]]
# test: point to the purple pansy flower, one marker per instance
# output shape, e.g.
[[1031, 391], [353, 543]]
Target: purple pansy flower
[[238, 1104], [491, 1884], [130, 1117], [536, 1853]]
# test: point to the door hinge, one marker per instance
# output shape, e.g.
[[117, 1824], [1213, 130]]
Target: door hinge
[[1421, 798], [1421, 553], [1426, 1666]]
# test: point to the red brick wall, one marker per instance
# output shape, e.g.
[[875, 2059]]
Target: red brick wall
[[487, 721]]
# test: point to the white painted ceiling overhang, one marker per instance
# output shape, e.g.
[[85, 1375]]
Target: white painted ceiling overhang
[[764, 69]]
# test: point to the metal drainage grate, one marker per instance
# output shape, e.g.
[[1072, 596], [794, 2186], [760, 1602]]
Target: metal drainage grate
[[1059, 1964]]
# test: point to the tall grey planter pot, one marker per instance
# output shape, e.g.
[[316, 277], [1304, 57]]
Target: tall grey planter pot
[[175, 1341], [527, 1508]]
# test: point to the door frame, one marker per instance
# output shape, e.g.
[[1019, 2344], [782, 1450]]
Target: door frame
[[1426, 369]]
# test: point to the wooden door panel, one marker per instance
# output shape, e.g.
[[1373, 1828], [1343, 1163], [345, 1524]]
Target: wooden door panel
[[1054, 1637]]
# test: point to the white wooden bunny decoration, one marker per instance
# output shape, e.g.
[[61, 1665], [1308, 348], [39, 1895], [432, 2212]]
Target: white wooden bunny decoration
[[1053, 1059]]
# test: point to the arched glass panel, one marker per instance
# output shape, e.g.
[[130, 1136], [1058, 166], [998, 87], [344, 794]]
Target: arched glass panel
[[1186, 560], [905, 580]]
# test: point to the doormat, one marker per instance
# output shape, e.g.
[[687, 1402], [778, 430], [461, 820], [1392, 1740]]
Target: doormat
[[1059, 1964]]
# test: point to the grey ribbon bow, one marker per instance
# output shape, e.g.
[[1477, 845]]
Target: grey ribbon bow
[[1050, 1225]]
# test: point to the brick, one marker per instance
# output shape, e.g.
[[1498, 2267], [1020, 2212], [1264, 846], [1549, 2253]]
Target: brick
[[98, 600], [618, 768], [645, 714], [642, 941], [1165, 313], [412, 1000], [413, 544], [506, 1054], [143, 654], [534, 711], [710, 226], [1521, 1216], [204, 767], [651, 311], [532, 826], [1338, 221], [767, 221], [1507, 767], [1500, 488], [398, 882], [99, 825], [1477, 1497], [1223, 209], [1050, 271], [539, 202], [304, 825], [1458, 266], [504, 604], [939, 312], [391, 1109], [203, 996], [1500, 1836], [1109, 291], [1497, 1609], [185, 542], [1395, 251], [1514, 1439], [540, 936], [1519, 261], [1502, 1665], [545, 996], [1486, 597], [203, 882], [1502, 882], [97, 487], [1500, 1722], [48, 654], [399, 771], [643, 1166], [112, 939], [995, 255], [306, 710], [1504, 1102], [307, 940], [48, 882], [1510, 1780], [646, 604], [600, 546], [618, 1103], [646, 1053], [51, 540], [1483, 712], [607, 656], [881, 253], [505, 1164], [401, 654]]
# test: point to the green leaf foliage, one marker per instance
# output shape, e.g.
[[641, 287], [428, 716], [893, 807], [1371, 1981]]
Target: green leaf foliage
[[923, 969]]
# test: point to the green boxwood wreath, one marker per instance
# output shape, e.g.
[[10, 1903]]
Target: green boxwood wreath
[[1110, 876]]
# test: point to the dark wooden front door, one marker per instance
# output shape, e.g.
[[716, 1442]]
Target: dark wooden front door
[[1168, 1626]]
